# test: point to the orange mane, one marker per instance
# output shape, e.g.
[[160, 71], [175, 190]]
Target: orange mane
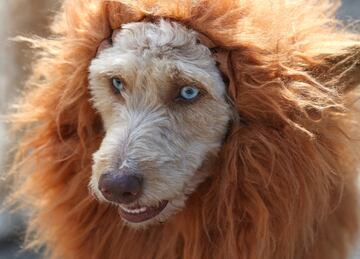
[[285, 187]]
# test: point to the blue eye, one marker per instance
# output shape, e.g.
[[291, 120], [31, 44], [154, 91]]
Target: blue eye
[[189, 93], [117, 84]]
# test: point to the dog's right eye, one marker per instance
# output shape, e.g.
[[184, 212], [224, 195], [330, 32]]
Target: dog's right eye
[[117, 84]]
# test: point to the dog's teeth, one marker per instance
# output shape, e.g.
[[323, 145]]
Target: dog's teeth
[[134, 211]]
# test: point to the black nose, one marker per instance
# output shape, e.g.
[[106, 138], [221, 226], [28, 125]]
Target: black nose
[[120, 188]]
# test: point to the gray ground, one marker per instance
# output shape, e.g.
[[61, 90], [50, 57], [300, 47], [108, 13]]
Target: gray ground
[[10, 242]]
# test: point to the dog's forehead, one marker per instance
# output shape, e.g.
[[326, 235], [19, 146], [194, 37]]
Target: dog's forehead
[[164, 46], [163, 36], [147, 43]]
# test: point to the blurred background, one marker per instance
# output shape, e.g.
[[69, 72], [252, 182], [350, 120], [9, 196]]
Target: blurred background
[[32, 17]]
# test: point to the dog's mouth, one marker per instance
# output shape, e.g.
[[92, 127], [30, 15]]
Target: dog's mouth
[[137, 214]]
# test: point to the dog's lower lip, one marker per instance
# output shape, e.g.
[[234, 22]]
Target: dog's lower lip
[[141, 213]]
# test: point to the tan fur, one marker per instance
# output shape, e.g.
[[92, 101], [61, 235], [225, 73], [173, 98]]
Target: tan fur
[[283, 184]]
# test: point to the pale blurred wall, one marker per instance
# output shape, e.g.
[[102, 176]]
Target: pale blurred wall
[[3, 80], [17, 17], [350, 10]]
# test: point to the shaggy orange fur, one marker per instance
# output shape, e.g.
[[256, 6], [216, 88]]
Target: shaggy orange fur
[[284, 185]]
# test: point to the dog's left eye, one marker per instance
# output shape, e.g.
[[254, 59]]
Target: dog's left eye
[[189, 93], [117, 84]]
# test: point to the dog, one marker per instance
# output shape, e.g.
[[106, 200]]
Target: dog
[[191, 129]]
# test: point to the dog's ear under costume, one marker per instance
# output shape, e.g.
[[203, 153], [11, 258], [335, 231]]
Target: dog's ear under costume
[[285, 183]]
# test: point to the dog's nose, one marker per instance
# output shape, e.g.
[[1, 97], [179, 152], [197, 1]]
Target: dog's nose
[[120, 188]]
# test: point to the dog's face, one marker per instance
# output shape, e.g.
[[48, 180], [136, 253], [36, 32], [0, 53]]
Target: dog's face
[[163, 104]]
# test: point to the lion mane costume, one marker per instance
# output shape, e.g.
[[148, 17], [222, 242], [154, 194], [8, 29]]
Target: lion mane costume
[[285, 184]]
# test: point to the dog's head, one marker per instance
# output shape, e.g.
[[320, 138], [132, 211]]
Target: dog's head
[[279, 178], [165, 112], [264, 116]]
